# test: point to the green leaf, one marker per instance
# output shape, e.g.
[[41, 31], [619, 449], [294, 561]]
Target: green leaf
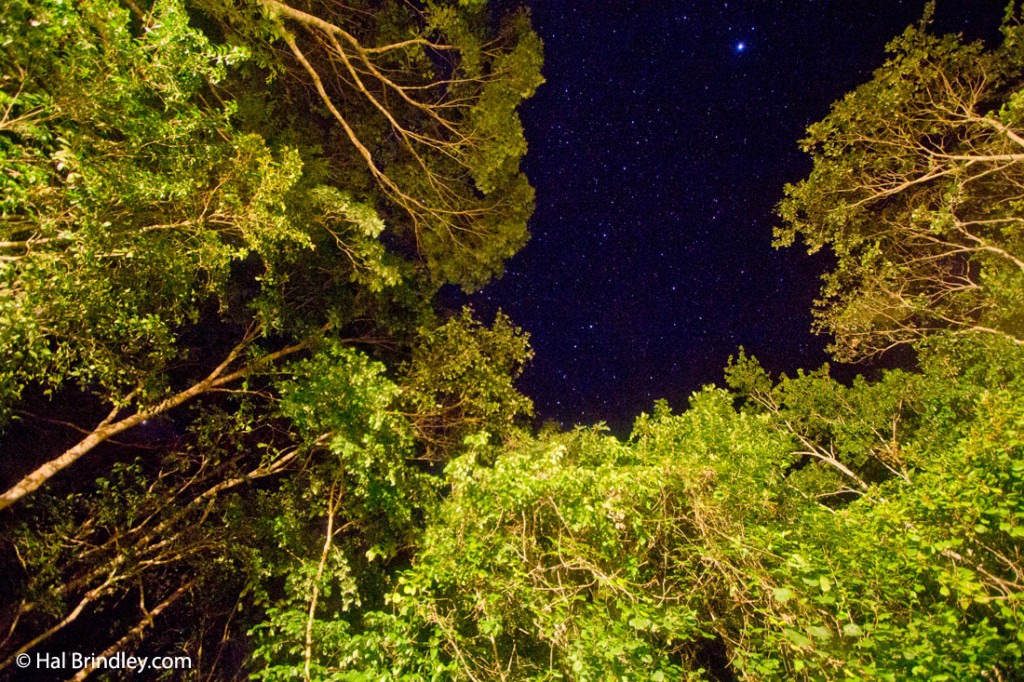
[[782, 594]]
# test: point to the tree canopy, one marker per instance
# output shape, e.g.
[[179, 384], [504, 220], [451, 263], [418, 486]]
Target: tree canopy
[[237, 424], [131, 159], [218, 255], [917, 190]]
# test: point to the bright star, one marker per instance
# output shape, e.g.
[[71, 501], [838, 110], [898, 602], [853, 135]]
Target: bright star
[[740, 46]]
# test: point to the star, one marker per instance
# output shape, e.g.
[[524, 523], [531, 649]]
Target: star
[[741, 46]]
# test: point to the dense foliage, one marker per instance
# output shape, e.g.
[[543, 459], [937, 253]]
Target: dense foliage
[[223, 226], [217, 262], [917, 188], [818, 531]]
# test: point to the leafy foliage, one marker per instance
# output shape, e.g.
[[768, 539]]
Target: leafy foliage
[[225, 223], [191, 251], [576, 556], [110, 168], [916, 189], [459, 383], [421, 106]]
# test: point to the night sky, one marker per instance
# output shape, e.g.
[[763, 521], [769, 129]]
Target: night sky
[[659, 147]]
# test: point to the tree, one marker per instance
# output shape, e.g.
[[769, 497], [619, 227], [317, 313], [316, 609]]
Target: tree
[[158, 538], [192, 244], [128, 160], [249, 499], [796, 528], [870, 531], [575, 556], [458, 383], [424, 103], [917, 188]]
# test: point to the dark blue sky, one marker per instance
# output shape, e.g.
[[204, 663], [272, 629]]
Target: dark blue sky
[[659, 147]]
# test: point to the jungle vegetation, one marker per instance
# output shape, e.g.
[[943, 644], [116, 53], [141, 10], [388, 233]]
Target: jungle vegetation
[[235, 423]]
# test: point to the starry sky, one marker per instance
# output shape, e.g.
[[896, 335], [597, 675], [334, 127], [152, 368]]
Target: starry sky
[[659, 147]]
